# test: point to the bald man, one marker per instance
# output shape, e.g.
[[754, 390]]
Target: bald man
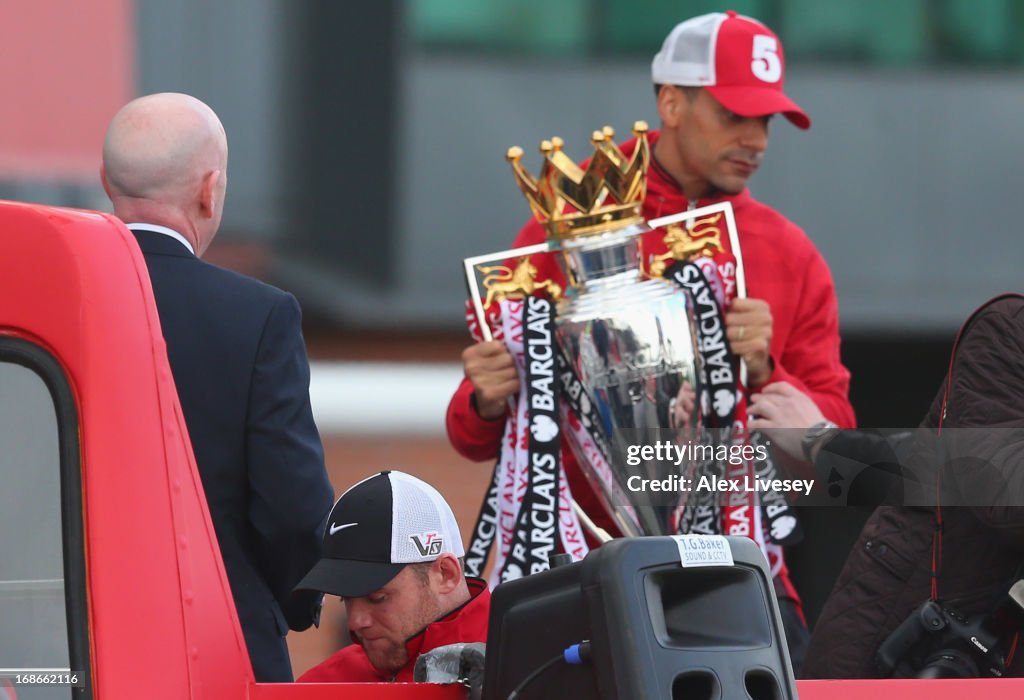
[[239, 362]]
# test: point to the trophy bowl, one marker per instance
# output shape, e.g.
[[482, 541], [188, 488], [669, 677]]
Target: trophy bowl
[[633, 345]]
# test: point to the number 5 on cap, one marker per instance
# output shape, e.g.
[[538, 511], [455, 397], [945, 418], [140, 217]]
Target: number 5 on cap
[[766, 64]]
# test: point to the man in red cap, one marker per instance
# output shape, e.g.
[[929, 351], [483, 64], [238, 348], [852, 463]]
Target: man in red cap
[[719, 81]]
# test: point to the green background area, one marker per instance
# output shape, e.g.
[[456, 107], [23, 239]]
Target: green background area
[[874, 32]]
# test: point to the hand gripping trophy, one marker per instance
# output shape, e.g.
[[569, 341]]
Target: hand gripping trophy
[[628, 363]]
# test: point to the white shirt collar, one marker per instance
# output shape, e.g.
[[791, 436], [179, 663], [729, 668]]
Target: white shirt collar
[[166, 231]]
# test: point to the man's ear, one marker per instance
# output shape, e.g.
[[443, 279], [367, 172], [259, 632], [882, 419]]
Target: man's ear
[[449, 572], [672, 106], [208, 193], [106, 183]]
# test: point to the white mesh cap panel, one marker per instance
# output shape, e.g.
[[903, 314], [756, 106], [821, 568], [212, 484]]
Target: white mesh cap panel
[[687, 56], [423, 525]]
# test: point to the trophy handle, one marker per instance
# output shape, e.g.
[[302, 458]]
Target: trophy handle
[[734, 243]]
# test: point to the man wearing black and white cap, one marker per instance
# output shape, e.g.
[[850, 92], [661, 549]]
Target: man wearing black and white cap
[[392, 551], [718, 80]]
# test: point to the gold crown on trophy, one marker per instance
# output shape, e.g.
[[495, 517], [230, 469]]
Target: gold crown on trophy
[[571, 201]]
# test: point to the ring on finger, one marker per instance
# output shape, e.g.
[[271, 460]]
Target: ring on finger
[[743, 332]]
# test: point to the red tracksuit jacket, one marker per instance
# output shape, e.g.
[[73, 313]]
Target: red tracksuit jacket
[[782, 267], [467, 623]]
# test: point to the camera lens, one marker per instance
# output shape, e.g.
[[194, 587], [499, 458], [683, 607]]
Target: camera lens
[[949, 663]]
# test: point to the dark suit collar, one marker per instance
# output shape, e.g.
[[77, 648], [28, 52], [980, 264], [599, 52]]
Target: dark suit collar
[[154, 242]]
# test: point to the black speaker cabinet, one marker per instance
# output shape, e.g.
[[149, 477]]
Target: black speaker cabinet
[[707, 630]]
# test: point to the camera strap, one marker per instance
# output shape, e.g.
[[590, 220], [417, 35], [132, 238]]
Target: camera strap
[[937, 535]]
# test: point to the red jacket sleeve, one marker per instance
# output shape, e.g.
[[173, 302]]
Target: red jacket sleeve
[[810, 359], [348, 665], [472, 436]]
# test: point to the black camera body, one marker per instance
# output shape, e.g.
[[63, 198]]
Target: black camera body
[[938, 642]]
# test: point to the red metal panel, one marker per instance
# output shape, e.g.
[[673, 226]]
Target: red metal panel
[[988, 688], [163, 624], [356, 691]]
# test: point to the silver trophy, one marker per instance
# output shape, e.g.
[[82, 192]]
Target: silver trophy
[[630, 341]]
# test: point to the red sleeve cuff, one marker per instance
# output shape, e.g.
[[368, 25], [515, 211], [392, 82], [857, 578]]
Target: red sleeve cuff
[[836, 408], [778, 374], [473, 436]]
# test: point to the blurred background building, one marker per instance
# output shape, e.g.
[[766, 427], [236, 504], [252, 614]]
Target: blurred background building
[[367, 144]]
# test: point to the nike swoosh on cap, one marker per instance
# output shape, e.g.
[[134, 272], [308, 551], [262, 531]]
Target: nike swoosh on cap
[[337, 528]]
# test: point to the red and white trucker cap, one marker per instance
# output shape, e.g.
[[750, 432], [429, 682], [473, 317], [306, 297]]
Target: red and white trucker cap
[[736, 58], [376, 528]]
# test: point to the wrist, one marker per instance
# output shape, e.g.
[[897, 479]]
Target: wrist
[[760, 374], [489, 411], [816, 436]]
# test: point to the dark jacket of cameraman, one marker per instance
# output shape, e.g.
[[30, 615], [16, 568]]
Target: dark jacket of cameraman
[[981, 445]]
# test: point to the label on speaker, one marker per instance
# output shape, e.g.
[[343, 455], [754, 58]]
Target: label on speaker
[[703, 550]]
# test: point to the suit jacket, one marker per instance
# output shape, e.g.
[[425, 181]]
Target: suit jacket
[[239, 363]]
